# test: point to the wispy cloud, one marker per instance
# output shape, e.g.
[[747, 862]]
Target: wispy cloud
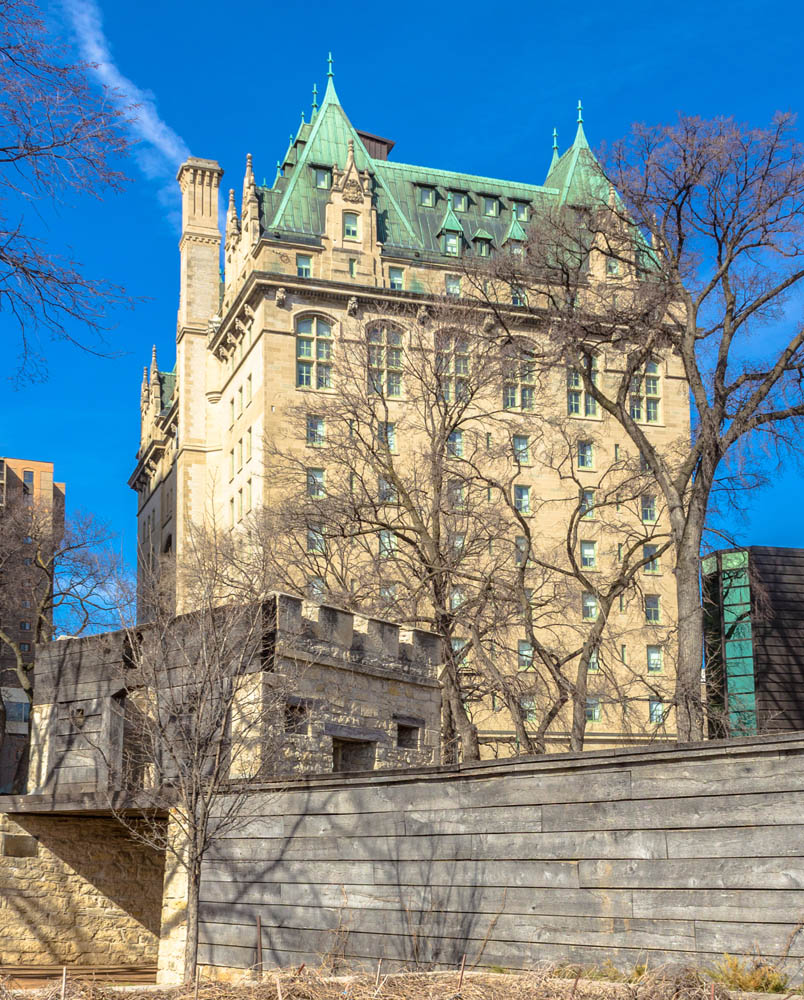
[[159, 150]]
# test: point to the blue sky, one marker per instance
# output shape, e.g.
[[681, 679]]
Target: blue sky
[[456, 85]]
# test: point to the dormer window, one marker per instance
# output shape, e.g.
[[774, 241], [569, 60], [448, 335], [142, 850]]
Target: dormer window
[[427, 197], [350, 225], [491, 206], [322, 177], [460, 201], [452, 244], [520, 211]]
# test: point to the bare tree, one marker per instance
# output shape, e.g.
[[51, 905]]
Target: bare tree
[[402, 494], [56, 573], [58, 136], [689, 243], [200, 713]]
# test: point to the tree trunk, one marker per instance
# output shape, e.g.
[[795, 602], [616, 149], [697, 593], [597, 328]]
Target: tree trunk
[[191, 943], [578, 731], [689, 704]]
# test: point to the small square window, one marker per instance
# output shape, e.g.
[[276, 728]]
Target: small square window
[[586, 455], [25, 647], [517, 296], [452, 284], [452, 244], [427, 197], [304, 265], [323, 178], [491, 206], [522, 499], [520, 211], [612, 266], [593, 709], [396, 278], [588, 607], [524, 654], [18, 711], [28, 477], [652, 608], [460, 201], [408, 737], [656, 711], [589, 555], [483, 248], [25, 626], [528, 708]]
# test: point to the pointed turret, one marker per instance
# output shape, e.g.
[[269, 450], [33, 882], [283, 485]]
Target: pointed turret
[[315, 102], [554, 160], [580, 135], [156, 382], [515, 233], [248, 185], [144, 388], [450, 222], [250, 211], [232, 221]]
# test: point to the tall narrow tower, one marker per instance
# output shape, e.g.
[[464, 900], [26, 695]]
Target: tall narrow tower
[[198, 303]]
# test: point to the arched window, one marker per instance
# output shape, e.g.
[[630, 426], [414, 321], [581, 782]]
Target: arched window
[[313, 353], [385, 361], [350, 225]]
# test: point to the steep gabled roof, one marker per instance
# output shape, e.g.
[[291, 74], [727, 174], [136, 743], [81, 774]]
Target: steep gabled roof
[[577, 174]]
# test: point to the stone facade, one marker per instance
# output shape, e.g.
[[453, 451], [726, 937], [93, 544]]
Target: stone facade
[[359, 693], [77, 890], [289, 256]]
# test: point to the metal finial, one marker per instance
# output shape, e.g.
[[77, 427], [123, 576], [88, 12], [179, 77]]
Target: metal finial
[[580, 113], [315, 98], [302, 116], [330, 74], [555, 140]]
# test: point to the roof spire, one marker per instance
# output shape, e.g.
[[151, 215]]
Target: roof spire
[[315, 100], [330, 74], [554, 160], [154, 366], [580, 137], [580, 113], [330, 96]]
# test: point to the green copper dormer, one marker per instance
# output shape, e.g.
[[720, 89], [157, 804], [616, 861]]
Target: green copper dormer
[[515, 233], [450, 223]]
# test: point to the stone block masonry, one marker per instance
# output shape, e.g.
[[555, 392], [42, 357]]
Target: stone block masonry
[[651, 855], [77, 890]]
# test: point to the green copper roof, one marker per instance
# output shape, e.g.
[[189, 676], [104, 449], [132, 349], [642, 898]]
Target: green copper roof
[[294, 205], [167, 381]]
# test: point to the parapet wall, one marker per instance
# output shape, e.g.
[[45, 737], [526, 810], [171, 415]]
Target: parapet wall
[[662, 854]]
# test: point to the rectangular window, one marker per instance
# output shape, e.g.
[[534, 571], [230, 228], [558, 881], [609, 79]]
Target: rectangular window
[[460, 201], [574, 402], [304, 265], [323, 178], [315, 430], [623, 653], [524, 654], [239, 504], [587, 504], [18, 711], [452, 244], [588, 606], [509, 397], [483, 247], [452, 284], [648, 508], [593, 709], [248, 445], [248, 495], [652, 411], [593, 665], [386, 491], [248, 390], [491, 207], [520, 550], [231, 411], [586, 455], [455, 444], [518, 296], [654, 654], [315, 483], [649, 553], [315, 539], [240, 400], [240, 454], [25, 647], [350, 225], [304, 374], [352, 267], [456, 598], [521, 449], [386, 435], [396, 278], [520, 211], [652, 608], [589, 555], [527, 397], [427, 197], [528, 709], [25, 626], [231, 464], [387, 544], [522, 499], [656, 711], [231, 512]]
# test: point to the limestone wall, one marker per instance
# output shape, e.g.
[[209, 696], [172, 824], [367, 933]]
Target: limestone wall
[[77, 889]]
